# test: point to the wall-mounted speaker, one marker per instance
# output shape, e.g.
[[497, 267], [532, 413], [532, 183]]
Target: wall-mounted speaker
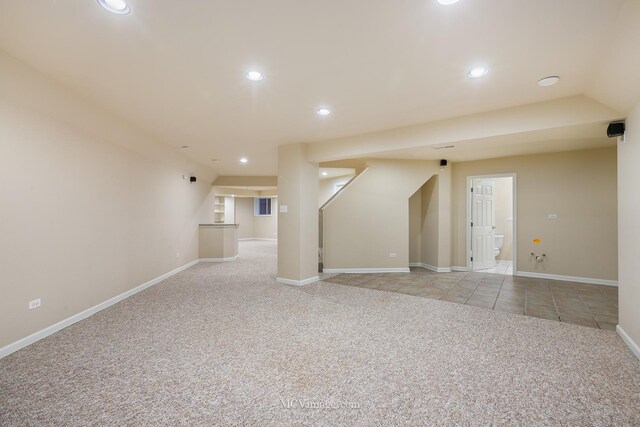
[[443, 163], [615, 129]]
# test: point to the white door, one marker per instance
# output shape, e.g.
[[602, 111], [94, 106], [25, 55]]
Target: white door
[[483, 214]]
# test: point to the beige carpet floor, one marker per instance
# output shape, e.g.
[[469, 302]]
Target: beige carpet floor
[[223, 344]]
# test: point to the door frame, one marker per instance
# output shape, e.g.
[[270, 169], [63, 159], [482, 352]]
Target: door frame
[[514, 177]]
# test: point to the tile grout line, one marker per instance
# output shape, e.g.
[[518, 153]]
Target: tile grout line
[[474, 289], [555, 304], [615, 301], [454, 285], [588, 309], [498, 295]]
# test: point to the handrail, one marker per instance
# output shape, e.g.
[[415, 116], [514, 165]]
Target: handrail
[[335, 195]]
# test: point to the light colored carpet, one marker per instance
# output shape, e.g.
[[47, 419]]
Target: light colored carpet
[[223, 344]]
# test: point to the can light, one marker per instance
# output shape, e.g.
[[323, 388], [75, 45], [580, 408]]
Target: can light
[[119, 7], [477, 72], [254, 76], [548, 81]]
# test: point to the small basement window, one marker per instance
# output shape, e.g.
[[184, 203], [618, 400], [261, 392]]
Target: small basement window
[[262, 206]]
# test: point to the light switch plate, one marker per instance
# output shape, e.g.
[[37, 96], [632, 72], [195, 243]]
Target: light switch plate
[[283, 208], [553, 216]]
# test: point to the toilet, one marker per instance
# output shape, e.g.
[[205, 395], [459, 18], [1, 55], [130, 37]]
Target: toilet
[[498, 241]]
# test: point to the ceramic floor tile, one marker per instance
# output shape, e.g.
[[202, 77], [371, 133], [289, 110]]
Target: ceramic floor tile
[[582, 321], [509, 308], [430, 293], [480, 302], [607, 325], [410, 289], [460, 299], [576, 303]]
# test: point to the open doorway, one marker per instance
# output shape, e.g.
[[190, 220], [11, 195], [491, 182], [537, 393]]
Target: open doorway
[[492, 223]]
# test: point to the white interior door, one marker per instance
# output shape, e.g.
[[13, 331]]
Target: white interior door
[[483, 214]]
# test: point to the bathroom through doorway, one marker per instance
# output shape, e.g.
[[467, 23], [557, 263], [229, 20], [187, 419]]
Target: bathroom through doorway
[[491, 224]]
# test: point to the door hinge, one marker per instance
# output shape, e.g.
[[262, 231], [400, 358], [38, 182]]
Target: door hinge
[[471, 259], [472, 223], [472, 189]]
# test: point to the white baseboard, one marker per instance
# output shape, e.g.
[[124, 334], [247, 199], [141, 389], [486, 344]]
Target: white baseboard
[[233, 258], [431, 267], [502, 262], [308, 281], [366, 270], [458, 268], [43, 333], [567, 278], [635, 349]]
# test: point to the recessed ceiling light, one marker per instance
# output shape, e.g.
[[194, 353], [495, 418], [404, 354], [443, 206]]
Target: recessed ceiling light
[[119, 7], [254, 76], [184, 147], [476, 72], [548, 81], [323, 111], [325, 173], [447, 2], [243, 160]]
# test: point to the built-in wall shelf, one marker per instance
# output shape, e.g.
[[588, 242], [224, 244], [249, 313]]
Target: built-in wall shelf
[[224, 210], [218, 211]]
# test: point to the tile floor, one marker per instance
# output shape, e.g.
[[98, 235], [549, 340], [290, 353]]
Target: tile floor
[[502, 267], [578, 303]]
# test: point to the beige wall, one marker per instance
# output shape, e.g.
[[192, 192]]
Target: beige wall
[[415, 227], [326, 187], [504, 216], [370, 219], [298, 227], [91, 207], [266, 227], [256, 227], [244, 217], [430, 216], [217, 241], [628, 230], [578, 186]]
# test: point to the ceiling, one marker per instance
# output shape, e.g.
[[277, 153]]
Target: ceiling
[[176, 69], [328, 173]]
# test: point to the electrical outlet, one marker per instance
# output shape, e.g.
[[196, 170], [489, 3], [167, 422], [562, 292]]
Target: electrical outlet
[[34, 304], [392, 255], [553, 216]]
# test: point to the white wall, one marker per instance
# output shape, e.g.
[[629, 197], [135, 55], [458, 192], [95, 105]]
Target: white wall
[[91, 206], [628, 228]]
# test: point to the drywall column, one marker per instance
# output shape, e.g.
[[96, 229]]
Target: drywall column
[[629, 233], [297, 216], [444, 217]]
